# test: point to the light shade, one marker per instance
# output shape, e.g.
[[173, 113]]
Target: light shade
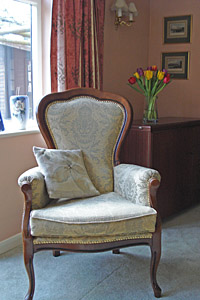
[[122, 9], [132, 9]]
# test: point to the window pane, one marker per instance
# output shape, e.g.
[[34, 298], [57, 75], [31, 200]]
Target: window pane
[[15, 53]]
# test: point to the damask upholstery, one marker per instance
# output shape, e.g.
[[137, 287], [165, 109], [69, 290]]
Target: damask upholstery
[[35, 177], [132, 182], [104, 215], [92, 126], [65, 173]]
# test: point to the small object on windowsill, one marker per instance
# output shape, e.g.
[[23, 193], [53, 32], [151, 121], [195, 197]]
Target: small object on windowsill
[[19, 106], [1, 123]]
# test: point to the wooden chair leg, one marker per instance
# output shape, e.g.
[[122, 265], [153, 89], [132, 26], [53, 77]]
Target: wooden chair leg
[[56, 253], [155, 259], [28, 261], [116, 251]]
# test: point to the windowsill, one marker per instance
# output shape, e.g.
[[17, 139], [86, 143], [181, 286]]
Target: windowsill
[[11, 131]]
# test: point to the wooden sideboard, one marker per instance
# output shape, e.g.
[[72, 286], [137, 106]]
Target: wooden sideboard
[[172, 146]]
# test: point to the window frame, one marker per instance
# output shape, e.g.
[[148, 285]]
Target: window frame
[[36, 73]]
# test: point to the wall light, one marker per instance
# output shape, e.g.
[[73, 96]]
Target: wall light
[[123, 10]]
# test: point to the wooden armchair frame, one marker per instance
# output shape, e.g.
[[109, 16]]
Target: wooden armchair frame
[[30, 248]]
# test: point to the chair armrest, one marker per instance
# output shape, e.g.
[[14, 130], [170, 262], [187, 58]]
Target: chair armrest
[[34, 178], [132, 182]]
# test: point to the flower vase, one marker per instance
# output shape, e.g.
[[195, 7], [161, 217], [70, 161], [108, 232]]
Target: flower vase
[[150, 114], [19, 107]]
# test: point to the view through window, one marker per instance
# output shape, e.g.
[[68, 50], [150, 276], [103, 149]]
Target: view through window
[[17, 39]]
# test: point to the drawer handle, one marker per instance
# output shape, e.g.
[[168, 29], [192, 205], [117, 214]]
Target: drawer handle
[[140, 127]]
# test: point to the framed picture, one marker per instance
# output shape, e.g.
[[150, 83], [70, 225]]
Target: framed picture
[[176, 63], [177, 29]]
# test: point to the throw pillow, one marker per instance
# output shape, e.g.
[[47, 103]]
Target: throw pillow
[[65, 173]]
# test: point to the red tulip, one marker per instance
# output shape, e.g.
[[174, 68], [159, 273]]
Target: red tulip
[[132, 80], [167, 78], [154, 68]]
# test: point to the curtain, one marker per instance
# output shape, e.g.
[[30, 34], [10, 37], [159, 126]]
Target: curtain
[[77, 44]]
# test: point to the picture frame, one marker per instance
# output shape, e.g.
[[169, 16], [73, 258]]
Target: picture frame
[[177, 29], [176, 63]]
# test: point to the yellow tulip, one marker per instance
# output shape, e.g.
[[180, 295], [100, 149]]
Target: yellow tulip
[[160, 75], [148, 74], [136, 75]]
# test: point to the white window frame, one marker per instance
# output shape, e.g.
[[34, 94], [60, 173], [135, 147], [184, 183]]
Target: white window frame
[[36, 72], [37, 54]]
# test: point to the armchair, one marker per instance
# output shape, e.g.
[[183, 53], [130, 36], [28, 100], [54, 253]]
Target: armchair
[[90, 125]]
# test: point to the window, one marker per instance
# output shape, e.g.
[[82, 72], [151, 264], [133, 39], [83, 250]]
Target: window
[[20, 53]]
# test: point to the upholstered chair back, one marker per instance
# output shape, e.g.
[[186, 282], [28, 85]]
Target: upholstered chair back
[[91, 124]]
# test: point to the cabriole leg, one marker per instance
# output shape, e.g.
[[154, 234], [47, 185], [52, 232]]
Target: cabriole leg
[[28, 261], [155, 258]]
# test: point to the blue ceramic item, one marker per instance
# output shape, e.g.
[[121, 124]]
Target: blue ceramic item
[[19, 107], [1, 123]]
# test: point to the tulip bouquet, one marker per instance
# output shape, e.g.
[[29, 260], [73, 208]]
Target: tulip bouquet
[[150, 82]]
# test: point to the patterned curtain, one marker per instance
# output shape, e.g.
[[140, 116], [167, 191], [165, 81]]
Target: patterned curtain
[[77, 44]]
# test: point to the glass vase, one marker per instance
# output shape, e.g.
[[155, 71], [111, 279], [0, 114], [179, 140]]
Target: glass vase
[[150, 114]]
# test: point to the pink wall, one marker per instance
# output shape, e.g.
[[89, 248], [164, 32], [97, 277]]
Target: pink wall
[[181, 97], [16, 157], [126, 49]]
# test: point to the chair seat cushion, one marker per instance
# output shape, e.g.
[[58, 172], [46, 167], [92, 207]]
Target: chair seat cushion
[[108, 214]]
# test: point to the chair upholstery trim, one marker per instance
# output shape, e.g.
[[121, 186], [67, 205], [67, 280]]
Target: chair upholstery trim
[[89, 240]]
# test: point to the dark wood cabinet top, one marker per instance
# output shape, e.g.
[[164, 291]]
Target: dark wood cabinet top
[[166, 123]]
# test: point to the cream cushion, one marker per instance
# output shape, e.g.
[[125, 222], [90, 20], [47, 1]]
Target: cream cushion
[[65, 173], [105, 215]]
